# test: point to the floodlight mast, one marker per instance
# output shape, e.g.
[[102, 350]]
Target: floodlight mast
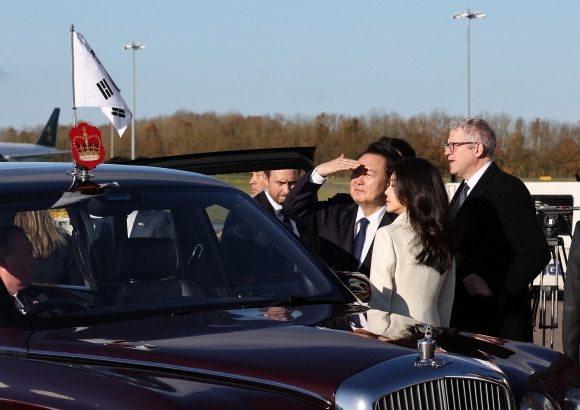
[[468, 16], [134, 47]]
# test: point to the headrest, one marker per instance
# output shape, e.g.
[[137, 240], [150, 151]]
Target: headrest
[[142, 259], [111, 205]]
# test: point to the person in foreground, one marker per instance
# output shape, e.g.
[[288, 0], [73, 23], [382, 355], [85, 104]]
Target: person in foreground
[[17, 263], [500, 245], [412, 269], [53, 248], [277, 185], [339, 220]]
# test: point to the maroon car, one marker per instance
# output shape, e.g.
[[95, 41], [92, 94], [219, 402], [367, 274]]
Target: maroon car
[[186, 293]]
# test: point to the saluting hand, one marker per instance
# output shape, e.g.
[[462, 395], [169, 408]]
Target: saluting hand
[[339, 164]]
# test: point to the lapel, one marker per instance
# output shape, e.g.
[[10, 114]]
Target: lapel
[[365, 268], [140, 223], [461, 221], [346, 227], [349, 219], [388, 218], [481, 187], [31, 298], [263, 200], [455, 195]]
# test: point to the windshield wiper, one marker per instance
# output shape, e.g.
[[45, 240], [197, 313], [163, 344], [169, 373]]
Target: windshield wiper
[[291, 300], [299, 299]]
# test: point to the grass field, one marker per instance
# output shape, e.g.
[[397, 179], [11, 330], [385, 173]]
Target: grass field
[[331, 187]]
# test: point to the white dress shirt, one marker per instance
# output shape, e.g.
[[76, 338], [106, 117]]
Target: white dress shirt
[[374, 221], [278, 210]]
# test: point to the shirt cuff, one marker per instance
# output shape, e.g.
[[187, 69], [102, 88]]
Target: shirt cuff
[[316, 178]]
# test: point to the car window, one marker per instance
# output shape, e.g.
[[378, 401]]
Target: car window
[[147, 249]]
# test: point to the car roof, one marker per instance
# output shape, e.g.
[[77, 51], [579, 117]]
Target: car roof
[[189, 169], [226, 162], [42, 177]]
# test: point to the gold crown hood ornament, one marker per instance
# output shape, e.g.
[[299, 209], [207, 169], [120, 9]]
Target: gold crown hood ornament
[[87, 146]]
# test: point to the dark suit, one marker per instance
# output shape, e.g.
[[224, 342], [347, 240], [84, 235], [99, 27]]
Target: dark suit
[[60, 267], [499, 238], [333, 221], [571, 319], [152, 224], [29, 298], [306, 234]]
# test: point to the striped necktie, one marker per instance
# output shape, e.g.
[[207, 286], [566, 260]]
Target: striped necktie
[[359, 241], [460, 199]]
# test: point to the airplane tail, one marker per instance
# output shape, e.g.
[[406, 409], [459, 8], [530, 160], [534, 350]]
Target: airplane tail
[[48, 135]]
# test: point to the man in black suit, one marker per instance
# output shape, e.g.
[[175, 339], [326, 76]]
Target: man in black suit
[[500, 245], [571, 319], [277, 185], [150, 224], [338, 220]]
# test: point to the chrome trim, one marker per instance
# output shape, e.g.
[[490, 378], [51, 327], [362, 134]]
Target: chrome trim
[[426, 348], [14, 353], [88, 361], [572, 398], [365, 389]]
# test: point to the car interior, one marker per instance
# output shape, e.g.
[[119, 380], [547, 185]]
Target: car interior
[[186, 247]]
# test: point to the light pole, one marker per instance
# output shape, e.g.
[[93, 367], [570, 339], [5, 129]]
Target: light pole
[[468, 15], [134, 47]]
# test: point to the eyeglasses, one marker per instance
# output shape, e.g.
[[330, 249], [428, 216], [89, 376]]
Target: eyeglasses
[[452, 146]]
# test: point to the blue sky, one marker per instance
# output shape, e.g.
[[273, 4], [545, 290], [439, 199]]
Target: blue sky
[[296, 58]]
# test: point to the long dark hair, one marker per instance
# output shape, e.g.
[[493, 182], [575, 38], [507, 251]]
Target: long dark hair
[[420, 188]]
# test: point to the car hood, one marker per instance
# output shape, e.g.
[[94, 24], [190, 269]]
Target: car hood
[[306, 354], [244, 346]]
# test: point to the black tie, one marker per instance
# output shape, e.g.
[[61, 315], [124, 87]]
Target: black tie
[[359, 241], [460, 199]]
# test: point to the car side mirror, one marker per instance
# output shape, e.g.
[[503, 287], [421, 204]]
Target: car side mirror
[[358, 284]]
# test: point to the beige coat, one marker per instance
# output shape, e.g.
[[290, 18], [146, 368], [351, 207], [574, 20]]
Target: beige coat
[[402, 286]]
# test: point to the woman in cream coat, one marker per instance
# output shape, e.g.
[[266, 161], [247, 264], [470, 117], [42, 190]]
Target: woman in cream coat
[[413, 269]]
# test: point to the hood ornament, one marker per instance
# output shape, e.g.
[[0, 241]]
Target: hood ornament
[[426, 348]]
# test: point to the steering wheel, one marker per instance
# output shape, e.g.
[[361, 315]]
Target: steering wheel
[[56, 307]]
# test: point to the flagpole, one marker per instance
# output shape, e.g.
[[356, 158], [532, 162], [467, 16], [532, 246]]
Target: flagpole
[[94, 87], [74, 108]]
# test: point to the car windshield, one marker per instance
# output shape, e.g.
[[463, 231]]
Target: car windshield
[[165, 249]]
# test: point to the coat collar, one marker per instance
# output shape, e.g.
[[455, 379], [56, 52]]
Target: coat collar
[[481, 186]]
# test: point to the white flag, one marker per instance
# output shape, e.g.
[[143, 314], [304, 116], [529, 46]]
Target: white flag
[[94, 87]]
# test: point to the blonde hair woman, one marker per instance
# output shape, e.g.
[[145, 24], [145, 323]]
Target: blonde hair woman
[[52, 248]]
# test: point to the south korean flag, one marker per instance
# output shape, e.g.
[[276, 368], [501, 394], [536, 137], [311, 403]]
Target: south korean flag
[[94, 87]]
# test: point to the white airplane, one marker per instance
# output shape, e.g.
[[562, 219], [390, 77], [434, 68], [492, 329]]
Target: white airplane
[[44, 147]]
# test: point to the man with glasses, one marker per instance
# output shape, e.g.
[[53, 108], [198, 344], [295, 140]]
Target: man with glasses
[[500, 245]]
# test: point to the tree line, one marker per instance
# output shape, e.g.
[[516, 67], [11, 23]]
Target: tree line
[[527, 149]]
